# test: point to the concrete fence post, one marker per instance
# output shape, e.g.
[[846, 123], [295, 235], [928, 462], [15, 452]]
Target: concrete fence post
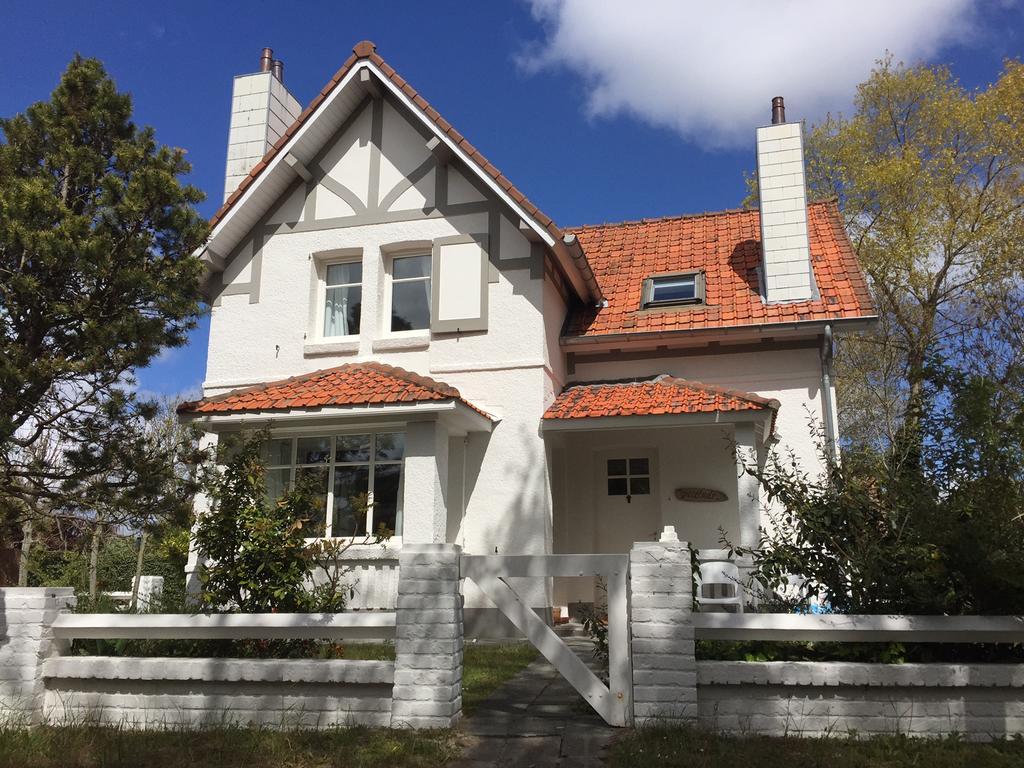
[[151, 593], [661, 633], [428, 638], [26, 639]]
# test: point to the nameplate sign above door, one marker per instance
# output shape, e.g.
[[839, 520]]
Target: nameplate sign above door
[[700, 494]]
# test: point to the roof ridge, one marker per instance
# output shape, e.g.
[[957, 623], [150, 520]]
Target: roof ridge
[[613, 382], [411, 377], [718, 389], [681, 217]]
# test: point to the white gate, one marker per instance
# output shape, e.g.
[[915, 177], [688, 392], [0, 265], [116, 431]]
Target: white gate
[[491, 573]]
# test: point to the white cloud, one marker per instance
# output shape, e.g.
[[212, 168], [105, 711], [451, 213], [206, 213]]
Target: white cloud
[[708, 70]]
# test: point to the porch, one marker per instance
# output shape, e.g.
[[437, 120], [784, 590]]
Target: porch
[[628, 459]]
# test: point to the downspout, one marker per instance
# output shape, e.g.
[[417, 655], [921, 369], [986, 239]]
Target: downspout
[[826, 391]]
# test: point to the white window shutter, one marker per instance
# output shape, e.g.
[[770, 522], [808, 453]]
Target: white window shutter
[[459, 284]]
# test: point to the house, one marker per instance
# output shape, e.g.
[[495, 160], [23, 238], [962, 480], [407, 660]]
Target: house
[[408, 324]]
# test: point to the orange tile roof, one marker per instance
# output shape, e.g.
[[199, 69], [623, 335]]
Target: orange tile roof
[[727, 247], [651, 397], [353, 384]]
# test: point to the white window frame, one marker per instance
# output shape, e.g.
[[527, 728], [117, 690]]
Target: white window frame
[[647, 300], [371, 464], [389, 289], [324, 286]]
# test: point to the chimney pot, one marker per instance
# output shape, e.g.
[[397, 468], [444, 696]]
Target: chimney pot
[[266, 59], [778, 110], [278, 70]]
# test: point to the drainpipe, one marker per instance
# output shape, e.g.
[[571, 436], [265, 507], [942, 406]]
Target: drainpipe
[[826, 391]]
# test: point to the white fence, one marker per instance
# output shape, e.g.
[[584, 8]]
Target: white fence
[[40, 682]]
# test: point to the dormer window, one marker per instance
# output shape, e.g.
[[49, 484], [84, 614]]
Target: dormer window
[[673, 289]]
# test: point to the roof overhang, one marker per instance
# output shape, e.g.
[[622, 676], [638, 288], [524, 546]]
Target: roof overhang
[[761, 417], [286, 163], [458, 418], [735, 334]]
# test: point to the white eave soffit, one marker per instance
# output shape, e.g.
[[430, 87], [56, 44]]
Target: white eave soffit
[[221, 242]]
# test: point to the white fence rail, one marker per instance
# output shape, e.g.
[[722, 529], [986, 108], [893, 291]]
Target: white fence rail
[[858, 628], [226, 626]]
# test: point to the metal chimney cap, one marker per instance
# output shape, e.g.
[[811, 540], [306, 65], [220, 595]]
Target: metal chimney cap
[[266, 60], [778, 110], [278, 70]]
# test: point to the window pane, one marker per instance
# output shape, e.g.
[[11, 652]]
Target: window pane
[[616, 486], [352, 448], [278, 452], [390, 446], [616, 466], [339, 274], [410, 266], [350, 485], [314, 481], [638, 467], [410, 305], [277, 484], [674, 288], [386, 479], [342, 308], [639, 486], [313, 450]]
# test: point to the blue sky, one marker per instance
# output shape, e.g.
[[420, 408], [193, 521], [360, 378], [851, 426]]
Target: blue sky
[[598, 110]]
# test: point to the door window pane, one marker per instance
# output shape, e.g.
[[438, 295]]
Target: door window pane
[[638, 467], [617, 486], [350, 483], [313, 450], [639, 486], [616, 466]]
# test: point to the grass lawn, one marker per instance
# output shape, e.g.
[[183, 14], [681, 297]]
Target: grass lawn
[[671, 747], [486, 667]]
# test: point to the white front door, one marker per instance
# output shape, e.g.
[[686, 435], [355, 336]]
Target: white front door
[[627, 498]]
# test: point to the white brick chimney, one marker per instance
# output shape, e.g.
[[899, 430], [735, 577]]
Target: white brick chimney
[[261, 111], [785, 249]]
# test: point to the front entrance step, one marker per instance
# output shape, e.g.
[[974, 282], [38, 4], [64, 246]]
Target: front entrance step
[[571, 628]]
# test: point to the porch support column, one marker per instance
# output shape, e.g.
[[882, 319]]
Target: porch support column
[[747, 493], [425, 500], [201, 507]]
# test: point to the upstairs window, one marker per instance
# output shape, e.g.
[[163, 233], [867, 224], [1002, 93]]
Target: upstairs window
[[410, 293], [678, 288], [343, 299]]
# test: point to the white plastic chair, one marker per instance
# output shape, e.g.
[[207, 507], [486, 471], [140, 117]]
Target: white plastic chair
[[718, 580]]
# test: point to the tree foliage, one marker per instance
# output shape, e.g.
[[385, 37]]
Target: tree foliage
[[255, 549], [944, 534], [97, 276]]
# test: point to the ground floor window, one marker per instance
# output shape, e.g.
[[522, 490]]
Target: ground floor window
[[359, 477]]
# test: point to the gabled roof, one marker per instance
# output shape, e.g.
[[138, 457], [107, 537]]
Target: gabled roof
[[726, 246], [661, 395], [365, 53], [353, 384]]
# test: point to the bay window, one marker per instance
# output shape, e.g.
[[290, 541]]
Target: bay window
[[357, 477]]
